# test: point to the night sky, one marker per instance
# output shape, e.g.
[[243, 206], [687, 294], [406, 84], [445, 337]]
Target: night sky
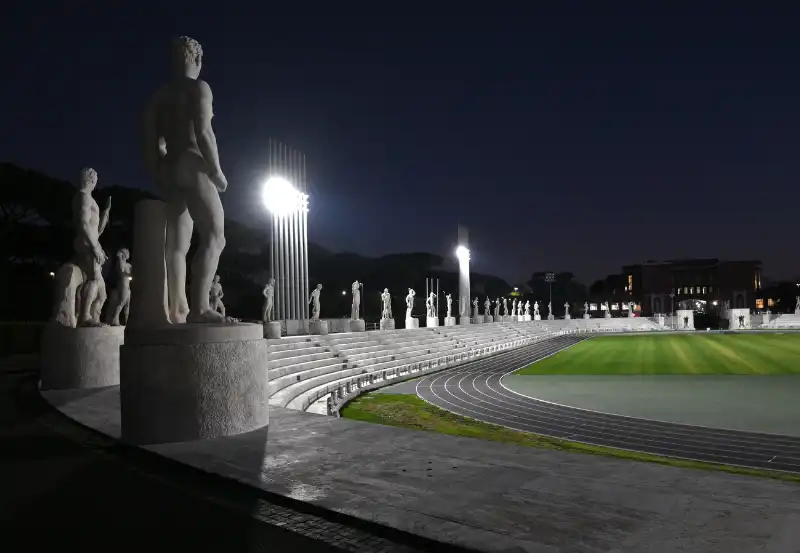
[[581, 140]]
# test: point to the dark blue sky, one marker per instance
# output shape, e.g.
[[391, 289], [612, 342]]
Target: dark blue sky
[[569, 139]]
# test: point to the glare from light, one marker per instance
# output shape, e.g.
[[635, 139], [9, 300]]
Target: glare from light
[[52, 274], [344, 292], [462, 254], [281, 198], [516, 289], [714, 303]]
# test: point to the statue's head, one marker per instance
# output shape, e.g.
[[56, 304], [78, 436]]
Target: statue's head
[[187, 56], [319, 286], [271, 281], [88, 179], [216, 279], [385, 290], [124, 254]]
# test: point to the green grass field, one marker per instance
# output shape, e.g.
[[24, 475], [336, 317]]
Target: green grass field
[[696, 353]]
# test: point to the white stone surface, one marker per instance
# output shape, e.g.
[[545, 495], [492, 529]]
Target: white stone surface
[[738, 319], [83, 357], [314, 301], [567, 316], [537, 317], [463, 320], [431, 322], [587, 316], [176, 390], [686, 319], [358, 325], [526, 317], [318, 328], [449, 321], [477, 320], [488, 319], [387, 324], [272, 330], [412, 322]]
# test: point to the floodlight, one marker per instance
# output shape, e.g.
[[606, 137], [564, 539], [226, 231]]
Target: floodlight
[[462, 254], [52, 274], [281, 198]]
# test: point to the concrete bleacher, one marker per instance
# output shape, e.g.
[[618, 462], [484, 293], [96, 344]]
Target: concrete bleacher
[[619, 324], [784, 320]]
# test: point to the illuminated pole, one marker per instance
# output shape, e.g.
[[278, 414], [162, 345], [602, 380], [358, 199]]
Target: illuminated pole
[[549, 278], [462, 253]]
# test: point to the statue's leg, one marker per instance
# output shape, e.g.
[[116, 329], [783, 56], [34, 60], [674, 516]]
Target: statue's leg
[[202, 200], [221, 307], [100, 300], [90, 287], [126, 309], [178, 240]]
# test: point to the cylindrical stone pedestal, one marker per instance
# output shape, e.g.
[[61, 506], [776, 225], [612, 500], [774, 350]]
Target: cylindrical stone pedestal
[[449, 321], [83, 357], [567, 316], [488, 319], [587, 316], [318, 328], [412, 322], [477, 320], [431, 321], [149, 289], [465, 320], [272, 330], [551, 317], [193, 381], [358, 325], [387, 324]]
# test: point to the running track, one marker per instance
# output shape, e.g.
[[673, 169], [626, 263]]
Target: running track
[[475, 390]]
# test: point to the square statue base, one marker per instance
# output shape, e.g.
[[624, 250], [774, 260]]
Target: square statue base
[[449, 321], [387, 324], [358, 325], [477, 320], [412, 322], [551, 317], [272, 329], [537, 317], [526, 318], [488, 319], [507, 318], [318, 328], [431, 322], [465, 321], [607, 315], [567, 316], [587, 316]]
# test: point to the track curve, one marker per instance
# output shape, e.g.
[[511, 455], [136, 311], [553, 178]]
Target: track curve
[[475, 390]]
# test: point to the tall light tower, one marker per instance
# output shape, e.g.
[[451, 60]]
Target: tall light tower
[[285, 197], [462, 253], [550, 278]]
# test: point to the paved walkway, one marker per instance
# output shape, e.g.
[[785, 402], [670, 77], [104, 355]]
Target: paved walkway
[[64, 487], [488, 496]]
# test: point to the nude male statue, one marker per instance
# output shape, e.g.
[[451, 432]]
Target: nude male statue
[[315, 300], [269, 300], [90, 257], [180, 150], [487, 307], [497, 308], [449, 298], [505, 306], [527, 308], [355, 310], [410, 302], [121, 295], [215, 295], [386, 299], [430, 305], [475, 307]]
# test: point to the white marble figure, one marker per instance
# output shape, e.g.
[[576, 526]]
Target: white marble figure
[[180, 150], [536, 309], [315, 300], [631, 307], [497, 309], [797, 304], [355, 310], [80, 289], [449, 298], [430, 306], [585, 307], [505, 306], [549, 308], [269, 301], [386, 300], [475, 307], [520, 308], [514, 308], [566, 308], [120, 297], [487, 307], [528, 308], [215, 295], [410, 302]]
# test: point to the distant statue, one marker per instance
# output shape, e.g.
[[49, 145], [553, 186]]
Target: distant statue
[[80, 289], [269, 301], [566, 308], [315, 297], [449, 298], [180, 151], [475, 307], [741, 321], [386, 300], [487, 307], [430, 305], [528, 308], [355, 310], [505, 306], [410, 302], [797, 305], [514, 308], [215, 295], [608, 309], [497, 308], [120, 297], [550, 308], [536, 309], [632, 306], [585, 307]]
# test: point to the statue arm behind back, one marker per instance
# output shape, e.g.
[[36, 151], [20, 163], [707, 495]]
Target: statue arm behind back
[[202, 112]]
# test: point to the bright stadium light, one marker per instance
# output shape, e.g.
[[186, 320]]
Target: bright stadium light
[[462, 253], [281, 198]]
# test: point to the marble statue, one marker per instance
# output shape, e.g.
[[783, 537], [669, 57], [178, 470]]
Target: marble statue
[[315, 300], [475, 307], [550, 308], [80, 289], [180, 151], [797, 304], [430, 305], [355, 310], [386, 300], [215, 295], [520, 308], [505, 306], [585, 307], [487, 307], [410, 302], [528, 308], [536, 309], [497, 308], [632, 307], [449, 298], [120, 297], [514, 307], [269, 301], [566, 308]]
